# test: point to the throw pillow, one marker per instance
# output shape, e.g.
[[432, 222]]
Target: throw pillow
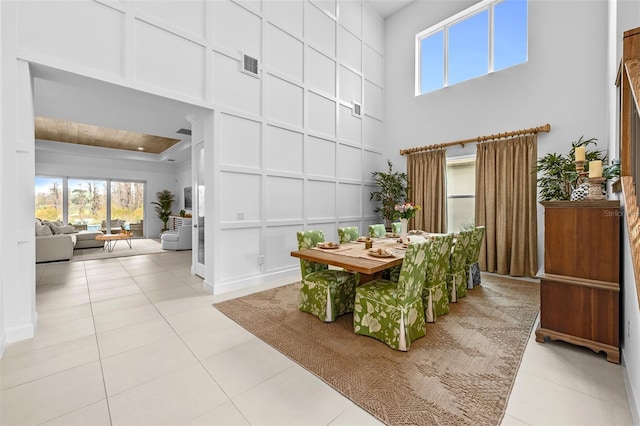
[[66, 230], [43, 230]]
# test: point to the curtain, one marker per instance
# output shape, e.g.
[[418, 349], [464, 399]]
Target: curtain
[[427, 173], [506, 205]]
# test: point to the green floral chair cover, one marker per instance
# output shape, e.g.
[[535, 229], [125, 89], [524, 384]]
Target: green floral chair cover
[[473, 269], [377, 231], [396, 228], [393, 312], [349, 233], [325, 293], [435, 296], [457, 277]]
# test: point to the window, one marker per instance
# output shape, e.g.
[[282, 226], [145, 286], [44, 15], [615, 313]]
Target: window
[[489, 36], [49, 198], [461, 193], [87, 203]]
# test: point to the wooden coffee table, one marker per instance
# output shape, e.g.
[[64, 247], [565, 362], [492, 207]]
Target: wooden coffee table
[[110, 240]]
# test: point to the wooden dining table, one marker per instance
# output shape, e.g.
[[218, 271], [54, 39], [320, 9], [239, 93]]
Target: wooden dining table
[[353, 256]]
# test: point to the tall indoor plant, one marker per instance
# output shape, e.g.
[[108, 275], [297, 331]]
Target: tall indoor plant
[[163, 206], [392, 189], [558, 177]]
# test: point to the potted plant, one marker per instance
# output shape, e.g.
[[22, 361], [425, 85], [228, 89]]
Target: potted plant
[[392, 189], [163, 206], [558, 176]]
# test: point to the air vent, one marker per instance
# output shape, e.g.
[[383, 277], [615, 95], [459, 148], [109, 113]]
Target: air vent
[[356, 110], [250, 66], [184, 132], [170, 159]]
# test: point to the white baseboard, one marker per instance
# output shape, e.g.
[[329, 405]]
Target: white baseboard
[[283, 277]]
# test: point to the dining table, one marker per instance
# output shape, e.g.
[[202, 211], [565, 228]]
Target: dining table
[[354, 256]]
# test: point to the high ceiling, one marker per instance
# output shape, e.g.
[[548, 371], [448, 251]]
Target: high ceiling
[[82, 104]]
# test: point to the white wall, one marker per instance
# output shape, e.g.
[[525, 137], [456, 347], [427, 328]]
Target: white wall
[[183, 180], [564, 83], [157, 177], [285, 150]]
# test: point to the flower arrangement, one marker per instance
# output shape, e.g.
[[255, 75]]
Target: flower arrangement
[[406, 210]]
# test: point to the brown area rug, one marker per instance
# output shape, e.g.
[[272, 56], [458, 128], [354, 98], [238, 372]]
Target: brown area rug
[[461, 372]]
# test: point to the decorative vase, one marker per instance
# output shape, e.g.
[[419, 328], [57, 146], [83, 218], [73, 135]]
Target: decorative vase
[[404, 229]]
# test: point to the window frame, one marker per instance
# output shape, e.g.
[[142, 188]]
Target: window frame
[[444, 27]]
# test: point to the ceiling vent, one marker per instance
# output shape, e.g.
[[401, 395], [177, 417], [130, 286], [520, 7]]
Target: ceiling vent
[[250, 65], [170, 159], [184, 132], [356, 110]]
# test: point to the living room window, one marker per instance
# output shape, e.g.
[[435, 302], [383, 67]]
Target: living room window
[[91, 204], [489, 36], [461, 193], [49, 198]]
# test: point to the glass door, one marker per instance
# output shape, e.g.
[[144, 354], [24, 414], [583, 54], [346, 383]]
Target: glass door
[[127, 206], [88, 203], [199, 211]]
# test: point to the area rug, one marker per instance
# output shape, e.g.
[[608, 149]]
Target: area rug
[[461, 372], [138, 246]]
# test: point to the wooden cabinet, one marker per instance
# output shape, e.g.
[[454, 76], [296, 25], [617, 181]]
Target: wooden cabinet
[[580, 287]]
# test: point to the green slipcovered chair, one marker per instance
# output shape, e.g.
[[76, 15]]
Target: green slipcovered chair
[[325, 293], [377, 231], [396, 228], [393, 312], [473, 269], [349, 233], [457, 276], [435, 296]]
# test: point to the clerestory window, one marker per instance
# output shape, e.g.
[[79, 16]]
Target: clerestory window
[[489, 36]]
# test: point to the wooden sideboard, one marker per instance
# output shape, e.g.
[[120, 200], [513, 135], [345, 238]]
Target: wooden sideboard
[[580, 287]]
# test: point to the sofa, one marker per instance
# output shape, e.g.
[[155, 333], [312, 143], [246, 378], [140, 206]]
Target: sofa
[[179, 239], [117, 225], [56, 241]]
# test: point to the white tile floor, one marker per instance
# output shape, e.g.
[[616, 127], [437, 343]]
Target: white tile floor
[[135, 341]]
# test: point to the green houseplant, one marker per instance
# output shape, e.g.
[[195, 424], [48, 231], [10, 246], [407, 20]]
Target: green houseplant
[[163, 206], [392, 189], [557, 172]]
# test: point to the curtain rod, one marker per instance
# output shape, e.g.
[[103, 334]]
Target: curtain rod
[[546, 128]]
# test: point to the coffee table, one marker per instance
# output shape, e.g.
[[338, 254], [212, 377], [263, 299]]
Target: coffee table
[[110, 240]]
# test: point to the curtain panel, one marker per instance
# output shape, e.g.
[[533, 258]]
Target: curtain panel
[[506, 205], [427, 172]]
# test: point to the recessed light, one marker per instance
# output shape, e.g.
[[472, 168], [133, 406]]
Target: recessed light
[[140, 148]]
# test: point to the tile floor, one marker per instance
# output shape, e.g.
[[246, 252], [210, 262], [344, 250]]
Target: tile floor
[[135, 341]]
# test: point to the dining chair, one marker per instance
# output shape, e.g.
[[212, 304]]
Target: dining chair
[[325, 293], [396, 228], [348, 233], [393, 312], [473, 269], [377, 230], [435, 296], [457, 276]]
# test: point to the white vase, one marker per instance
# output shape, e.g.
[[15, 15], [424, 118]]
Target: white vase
[[404, 229]]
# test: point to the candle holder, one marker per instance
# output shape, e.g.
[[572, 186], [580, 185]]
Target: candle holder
[[582, 175], [595, 189]]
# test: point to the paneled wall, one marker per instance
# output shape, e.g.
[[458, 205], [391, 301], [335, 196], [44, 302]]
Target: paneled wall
[[289, 152], [292, 154]]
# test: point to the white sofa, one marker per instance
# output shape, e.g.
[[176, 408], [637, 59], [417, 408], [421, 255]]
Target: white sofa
[[59, 244], [177, 240]]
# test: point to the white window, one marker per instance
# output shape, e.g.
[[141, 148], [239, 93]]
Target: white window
[[489, 36], [461, 193]]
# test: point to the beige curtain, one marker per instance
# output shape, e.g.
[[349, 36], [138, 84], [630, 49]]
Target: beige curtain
[[427, 172], [506, 205]]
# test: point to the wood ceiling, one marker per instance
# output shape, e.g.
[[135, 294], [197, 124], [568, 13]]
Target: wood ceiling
[[52, 129]]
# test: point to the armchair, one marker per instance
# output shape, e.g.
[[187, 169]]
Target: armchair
[[177, 240]]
